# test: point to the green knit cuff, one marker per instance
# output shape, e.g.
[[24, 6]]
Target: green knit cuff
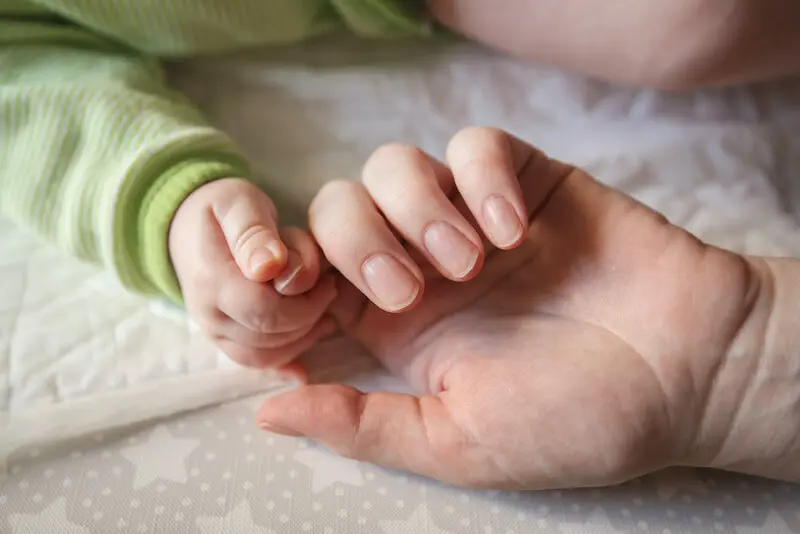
[[385, 18], [158, 207]]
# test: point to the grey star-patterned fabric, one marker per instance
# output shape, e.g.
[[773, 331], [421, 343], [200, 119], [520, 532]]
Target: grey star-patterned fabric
[[214, 472], [78, 357]]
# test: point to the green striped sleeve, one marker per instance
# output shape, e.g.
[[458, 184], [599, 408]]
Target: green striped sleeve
[[96, 153], [171, 28], [384, 18]]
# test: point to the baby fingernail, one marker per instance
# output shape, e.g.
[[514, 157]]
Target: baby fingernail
[[391, 283], [295, 265], [278, 249], [454, 252], [260, 258], [503, 225]]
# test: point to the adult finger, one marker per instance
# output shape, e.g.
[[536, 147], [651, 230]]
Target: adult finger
[[407, 186], [248, 220], [415, 434], [262, 309], [483, 166], [357, 241]]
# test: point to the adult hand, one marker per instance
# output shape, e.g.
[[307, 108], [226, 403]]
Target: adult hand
[[589, 352]]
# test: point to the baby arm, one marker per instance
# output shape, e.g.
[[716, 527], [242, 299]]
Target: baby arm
[[97, 155]]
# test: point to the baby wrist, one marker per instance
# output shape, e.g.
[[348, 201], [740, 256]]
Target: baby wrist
[[159, 206]]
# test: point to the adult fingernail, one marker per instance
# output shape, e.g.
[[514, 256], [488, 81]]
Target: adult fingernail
[[295, 265], [452, 250], [503, 225], [391, 283], [275, 429]]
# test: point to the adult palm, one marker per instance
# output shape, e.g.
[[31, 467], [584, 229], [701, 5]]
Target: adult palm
[[585, 356]]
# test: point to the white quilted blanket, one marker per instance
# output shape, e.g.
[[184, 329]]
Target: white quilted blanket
[[78, 355]]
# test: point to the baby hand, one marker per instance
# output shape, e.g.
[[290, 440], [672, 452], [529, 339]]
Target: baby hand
[[254, 290]]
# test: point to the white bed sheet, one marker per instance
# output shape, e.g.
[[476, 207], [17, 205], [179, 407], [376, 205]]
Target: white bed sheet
[[78, 356]]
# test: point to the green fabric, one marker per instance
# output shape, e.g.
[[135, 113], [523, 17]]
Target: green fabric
[[147, 248], [96, 152]]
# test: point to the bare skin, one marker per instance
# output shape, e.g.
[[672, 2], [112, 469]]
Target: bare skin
[[667, 44], [261, 318], [253, 288], [601, 344], [581, 340]]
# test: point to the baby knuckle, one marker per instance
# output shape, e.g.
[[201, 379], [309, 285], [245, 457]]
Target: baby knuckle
[[265, 319], [200, 284], [250, 237], [212, 329], [252, 308], [274, 358], [226, 195], [243, 356]]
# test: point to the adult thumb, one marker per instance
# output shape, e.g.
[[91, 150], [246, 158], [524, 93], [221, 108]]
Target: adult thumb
[[248, 221], [397, 431]]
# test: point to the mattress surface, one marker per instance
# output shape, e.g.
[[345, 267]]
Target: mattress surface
[[88, 373], [213, 472]]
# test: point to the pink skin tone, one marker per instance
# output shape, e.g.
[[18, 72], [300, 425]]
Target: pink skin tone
[[559, 333], [542, 339], [253, 288], [587, 342]]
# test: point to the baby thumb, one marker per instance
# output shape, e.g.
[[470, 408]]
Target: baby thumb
[[250, 227]]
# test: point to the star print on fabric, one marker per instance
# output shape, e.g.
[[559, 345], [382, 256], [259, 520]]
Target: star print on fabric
[[161, 457], [252, 404], [671, 481], [773, 524], [276, 384], [596, 522], [329, 469], [420, 521], [46, 520], [240, 519]]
